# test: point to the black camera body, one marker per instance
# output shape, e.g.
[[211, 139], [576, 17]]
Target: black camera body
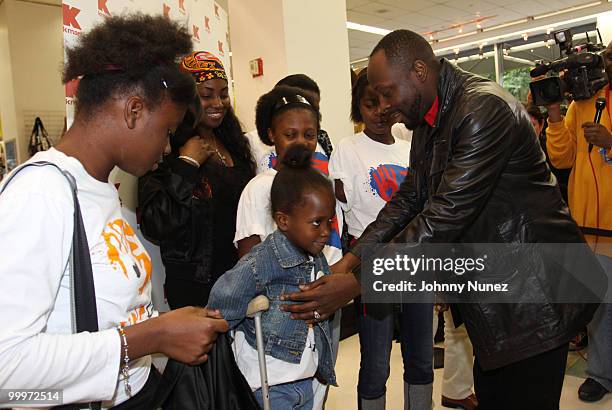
[[585, 72]]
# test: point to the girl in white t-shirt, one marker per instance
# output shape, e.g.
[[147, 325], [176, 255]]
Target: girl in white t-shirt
[[131, 97], [284, 116]]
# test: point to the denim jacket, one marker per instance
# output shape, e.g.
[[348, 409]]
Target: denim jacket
[[273, 268]]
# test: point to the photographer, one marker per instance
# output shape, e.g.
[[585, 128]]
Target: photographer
[[577, 142]]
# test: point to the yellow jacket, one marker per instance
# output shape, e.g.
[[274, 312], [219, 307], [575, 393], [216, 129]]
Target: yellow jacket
[[567, 148]]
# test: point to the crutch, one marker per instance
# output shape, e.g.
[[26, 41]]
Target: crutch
[[256, 307]]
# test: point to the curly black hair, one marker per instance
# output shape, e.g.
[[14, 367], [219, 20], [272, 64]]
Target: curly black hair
[[232, 136], [301, 81], [296, 177], [229, 132], [267, 108], [131, 53], [357, 93]]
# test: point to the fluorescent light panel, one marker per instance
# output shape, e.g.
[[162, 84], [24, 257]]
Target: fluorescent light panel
[[367, 29], [381, 31]]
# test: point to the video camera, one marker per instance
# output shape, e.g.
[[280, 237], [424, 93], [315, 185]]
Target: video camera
[[584, 76]]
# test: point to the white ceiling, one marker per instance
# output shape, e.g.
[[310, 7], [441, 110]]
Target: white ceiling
[[425, 16]]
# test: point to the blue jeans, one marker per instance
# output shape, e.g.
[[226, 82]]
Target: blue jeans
[[599, 365], [376, 338], [296, 395]]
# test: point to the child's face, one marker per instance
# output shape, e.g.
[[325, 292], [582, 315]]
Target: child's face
[[309, 224], [294, 126], [374, 119]]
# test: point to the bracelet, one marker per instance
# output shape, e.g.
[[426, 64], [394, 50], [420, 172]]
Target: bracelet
[[125, 367], [190, 160], [604, 154]]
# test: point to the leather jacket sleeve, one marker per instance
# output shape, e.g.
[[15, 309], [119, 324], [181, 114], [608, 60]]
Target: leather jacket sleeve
[[482, 142], [395, 215], [165, 199]]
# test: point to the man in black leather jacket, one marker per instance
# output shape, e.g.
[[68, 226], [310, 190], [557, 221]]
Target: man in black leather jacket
[[479, 176]]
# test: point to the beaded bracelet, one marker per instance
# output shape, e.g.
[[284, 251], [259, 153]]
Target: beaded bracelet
[[125, 368], [604, 154]]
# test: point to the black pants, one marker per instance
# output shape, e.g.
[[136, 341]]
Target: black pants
[[531, 384]]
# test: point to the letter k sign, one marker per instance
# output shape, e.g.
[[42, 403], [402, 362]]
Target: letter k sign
[[70, 14]]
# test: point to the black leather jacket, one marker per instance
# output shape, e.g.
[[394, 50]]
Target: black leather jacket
[[191, 214], [480, 176]]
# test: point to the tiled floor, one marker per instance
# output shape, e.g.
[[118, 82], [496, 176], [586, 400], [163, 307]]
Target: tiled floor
[[344, 397]]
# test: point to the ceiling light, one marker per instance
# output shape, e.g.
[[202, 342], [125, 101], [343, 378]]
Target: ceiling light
[[549, 30], [511, 23], [573, 8], [525, 36], [460, 30], [514, 34], [367, 29], [456, 51], [431, 37], [478, 25]]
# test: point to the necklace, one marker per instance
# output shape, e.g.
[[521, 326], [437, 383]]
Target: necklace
[[222, 157]]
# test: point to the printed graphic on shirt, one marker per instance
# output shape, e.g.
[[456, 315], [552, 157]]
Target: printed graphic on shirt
[[385, 180], [320, 162], [138, 315], [125, 252]]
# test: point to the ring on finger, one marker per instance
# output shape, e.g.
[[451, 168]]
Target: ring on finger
[[316, 314]]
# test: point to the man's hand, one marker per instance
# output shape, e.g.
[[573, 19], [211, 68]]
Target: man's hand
[[554, 112], [346, 264], [325, 295], [597, 135]]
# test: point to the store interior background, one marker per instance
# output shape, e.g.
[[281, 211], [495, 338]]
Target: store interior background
[[498, 39]]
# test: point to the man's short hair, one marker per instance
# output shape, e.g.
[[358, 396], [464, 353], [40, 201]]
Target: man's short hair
[[404, 47]]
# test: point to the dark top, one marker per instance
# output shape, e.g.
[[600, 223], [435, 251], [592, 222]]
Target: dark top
[[191, 214]]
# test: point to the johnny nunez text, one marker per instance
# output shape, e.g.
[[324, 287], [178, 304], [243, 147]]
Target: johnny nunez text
[[424, 286]]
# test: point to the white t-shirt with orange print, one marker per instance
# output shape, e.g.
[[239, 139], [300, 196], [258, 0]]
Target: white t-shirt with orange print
[[37, 349]]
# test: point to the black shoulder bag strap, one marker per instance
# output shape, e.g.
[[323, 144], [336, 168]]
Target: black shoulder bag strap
[[83, 294]]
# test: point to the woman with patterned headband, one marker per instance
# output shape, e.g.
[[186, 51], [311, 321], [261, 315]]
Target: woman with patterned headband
[[188, 205]]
